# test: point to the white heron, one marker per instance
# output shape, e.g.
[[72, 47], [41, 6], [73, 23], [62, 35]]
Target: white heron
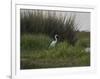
[[87, 49], [53, 43]]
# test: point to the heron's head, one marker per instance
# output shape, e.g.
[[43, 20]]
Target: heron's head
[[56, 36]]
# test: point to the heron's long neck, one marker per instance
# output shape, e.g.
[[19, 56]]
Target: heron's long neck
[[55, 38]]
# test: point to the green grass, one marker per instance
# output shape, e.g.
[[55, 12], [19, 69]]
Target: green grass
[[84, 39], [35, 53], [34, 42], [37, 32]]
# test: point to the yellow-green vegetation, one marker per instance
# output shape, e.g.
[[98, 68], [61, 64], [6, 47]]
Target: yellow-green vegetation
[[35, 53], [38, 29]]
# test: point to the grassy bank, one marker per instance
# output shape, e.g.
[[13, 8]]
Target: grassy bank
[[35, 53], [38, 30]]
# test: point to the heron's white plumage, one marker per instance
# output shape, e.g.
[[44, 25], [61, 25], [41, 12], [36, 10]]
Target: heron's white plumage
[[53, 43], [87, 49]]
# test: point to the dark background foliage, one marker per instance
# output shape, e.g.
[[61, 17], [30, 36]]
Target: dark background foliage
[[35, 22]]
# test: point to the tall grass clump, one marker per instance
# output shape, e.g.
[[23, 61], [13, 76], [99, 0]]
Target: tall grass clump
[[70, 30], [48, 23]]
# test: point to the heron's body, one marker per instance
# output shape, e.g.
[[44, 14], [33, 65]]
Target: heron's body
[[53, 43]]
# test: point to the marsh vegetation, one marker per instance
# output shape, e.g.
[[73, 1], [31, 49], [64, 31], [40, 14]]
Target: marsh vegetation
[[37, 32]]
